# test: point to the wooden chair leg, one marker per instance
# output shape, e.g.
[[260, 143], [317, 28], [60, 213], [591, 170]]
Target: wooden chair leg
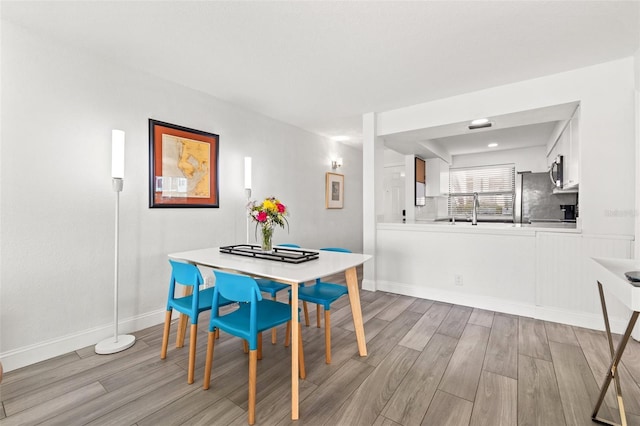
[[192, 352], [165, 334], [303, 371], [182, 324], [209, 363], [259, 345], [253, 367], [217, 333], [245, 346], [318, 316], [182, 330], [274, 337], [305, 308], [287, 335], [327, 336]]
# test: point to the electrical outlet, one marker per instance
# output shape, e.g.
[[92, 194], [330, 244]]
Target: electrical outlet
[[457, 280], [208, 281]]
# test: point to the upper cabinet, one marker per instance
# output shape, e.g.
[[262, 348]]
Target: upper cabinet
[[420, 170], [437, 174], [573, 162], [420, 178], [566, 142]]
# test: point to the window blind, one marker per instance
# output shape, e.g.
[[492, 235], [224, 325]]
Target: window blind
[[495, 186]]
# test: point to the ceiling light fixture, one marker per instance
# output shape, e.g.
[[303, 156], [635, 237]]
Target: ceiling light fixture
[[492, 145], [480, 123]]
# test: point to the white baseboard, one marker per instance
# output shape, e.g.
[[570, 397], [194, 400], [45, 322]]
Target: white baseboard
[[41, 351], [579, 319], [369, 285]]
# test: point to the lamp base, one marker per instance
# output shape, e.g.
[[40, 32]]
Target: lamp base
[[113, 345]]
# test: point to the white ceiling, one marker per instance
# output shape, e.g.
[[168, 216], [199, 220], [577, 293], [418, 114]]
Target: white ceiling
[[508, 138], [321, 65]]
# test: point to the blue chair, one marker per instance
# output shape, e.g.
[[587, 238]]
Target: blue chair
[[190, 305], [253, 316], [324, 294], [273, 287]]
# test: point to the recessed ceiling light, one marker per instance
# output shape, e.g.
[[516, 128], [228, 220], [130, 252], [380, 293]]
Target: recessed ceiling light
[[340, 138], [478, 121], [492, 145]]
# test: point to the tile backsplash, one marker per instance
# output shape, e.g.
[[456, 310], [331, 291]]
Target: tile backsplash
[[538, 200]]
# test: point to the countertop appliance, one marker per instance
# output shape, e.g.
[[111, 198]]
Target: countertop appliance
[[556, 172], [569, 211]]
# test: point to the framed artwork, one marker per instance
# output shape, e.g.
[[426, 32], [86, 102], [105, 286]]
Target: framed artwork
[[334, 195], [183, 166]]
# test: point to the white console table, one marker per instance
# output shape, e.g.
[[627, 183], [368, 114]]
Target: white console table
[[610, 278]]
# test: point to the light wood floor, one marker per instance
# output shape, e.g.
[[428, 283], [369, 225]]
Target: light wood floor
[[429, 363]]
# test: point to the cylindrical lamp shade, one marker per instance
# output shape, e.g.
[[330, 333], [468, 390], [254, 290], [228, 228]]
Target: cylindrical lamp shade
[[247, 172], [117, 153]]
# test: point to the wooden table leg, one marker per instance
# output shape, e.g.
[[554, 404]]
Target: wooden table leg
[[295, 334], [356, 311], [612, 373]]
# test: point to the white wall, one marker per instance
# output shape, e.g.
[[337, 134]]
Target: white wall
[[57, 207], [607, 134], [636, 59], [392, 157], [637, 211], [372, 196]]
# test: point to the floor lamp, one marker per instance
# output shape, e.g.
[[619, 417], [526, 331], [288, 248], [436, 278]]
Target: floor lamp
[[247, 188], [121, 342]]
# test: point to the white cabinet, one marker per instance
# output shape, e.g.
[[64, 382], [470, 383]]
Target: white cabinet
[[572, 163], [437, 171], [567, 144]]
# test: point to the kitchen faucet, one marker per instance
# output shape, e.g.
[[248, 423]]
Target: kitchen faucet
[[474, 213]]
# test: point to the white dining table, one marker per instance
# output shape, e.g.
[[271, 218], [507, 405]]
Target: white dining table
[[327, 263], [610, 276]]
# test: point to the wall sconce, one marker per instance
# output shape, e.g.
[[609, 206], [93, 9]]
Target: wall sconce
[[336, 163], [247, 188], [117, 159], [247, 176]]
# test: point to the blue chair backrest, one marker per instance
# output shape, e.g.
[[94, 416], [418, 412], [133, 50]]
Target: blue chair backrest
[[238, 288], [189, 275], [185, 274], [289, 245], [338, 249], [341, 250]]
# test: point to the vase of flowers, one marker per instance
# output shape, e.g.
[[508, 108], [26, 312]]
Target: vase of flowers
[[267, 242], [267, 215]]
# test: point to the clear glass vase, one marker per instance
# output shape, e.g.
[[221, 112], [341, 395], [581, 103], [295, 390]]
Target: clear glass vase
[[267, 234]]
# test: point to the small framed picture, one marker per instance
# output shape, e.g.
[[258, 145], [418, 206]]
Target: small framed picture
[[183, 166], [334, 196]]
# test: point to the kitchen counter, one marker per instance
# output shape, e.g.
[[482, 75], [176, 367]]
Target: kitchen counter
[[482, 227], [535, 271]]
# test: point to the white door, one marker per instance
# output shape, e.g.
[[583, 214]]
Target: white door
[[394, 177]]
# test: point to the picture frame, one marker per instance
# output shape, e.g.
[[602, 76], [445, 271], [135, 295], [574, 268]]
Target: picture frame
[[183, 166], [334, 191]]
